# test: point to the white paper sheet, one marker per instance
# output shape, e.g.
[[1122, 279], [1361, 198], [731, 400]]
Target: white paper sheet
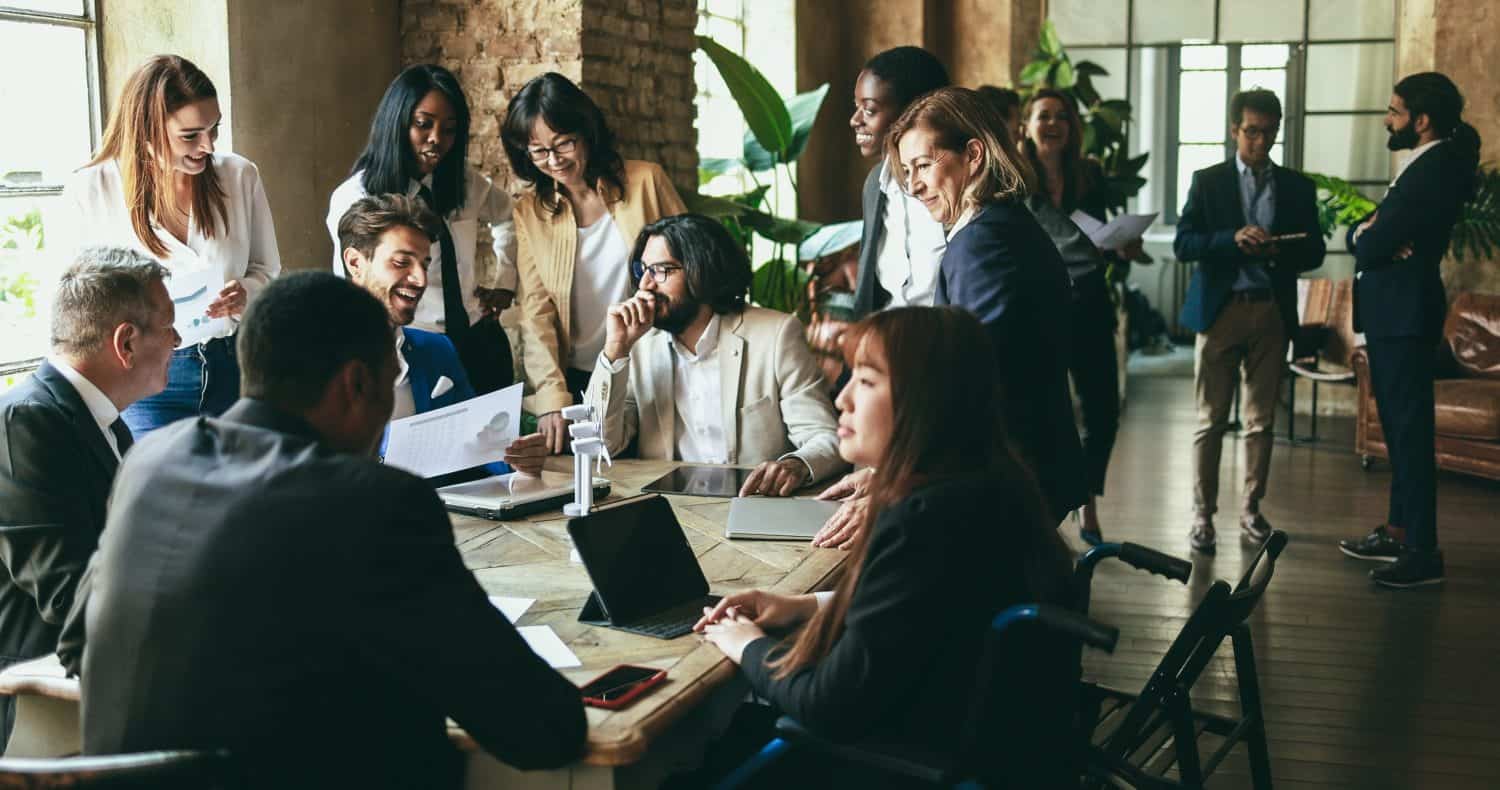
[[546, 643], [460, 436], [512, 608], [1120, 231], [192, 291]]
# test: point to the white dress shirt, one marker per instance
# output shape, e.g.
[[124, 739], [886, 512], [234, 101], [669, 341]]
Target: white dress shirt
[[484, 205], [911, 248], [406, 405], [243, 248], [100, 407], [601, 278], [698, 391]]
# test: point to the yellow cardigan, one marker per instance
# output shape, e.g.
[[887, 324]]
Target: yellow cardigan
[[547, 249]]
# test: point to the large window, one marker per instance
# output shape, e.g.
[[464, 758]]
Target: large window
[[1331, 62], [49, 97]]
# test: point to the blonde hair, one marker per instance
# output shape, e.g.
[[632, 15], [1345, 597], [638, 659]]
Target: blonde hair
[[137, 140], [956, 116]]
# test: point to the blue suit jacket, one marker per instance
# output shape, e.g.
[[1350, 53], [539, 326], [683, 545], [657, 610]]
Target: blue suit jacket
[[1405, 298], [1003, 268], [429, 357], [1205, 233]]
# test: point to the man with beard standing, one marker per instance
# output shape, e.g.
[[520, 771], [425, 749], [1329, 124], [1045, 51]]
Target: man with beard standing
[[1400, 305], [700, 376]]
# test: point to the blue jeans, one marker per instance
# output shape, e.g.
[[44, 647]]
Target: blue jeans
[[203, 379]]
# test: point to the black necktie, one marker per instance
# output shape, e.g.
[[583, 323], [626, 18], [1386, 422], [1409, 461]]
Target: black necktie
[[455, 317], [123, 439]]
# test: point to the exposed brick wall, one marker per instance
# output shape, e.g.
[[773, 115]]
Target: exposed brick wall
[[634, 57]]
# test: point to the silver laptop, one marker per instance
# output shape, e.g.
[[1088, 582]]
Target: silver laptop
[[504, 497], [775, 518]]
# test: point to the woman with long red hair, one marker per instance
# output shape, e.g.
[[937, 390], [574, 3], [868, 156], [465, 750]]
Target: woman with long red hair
[[158, 186], [957, 531]]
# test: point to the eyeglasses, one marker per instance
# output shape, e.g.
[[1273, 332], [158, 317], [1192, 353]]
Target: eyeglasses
[[540, 154], [659, 271], [1257, 133]]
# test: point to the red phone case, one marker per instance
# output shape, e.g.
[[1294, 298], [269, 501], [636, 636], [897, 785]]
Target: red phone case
[[640, 688]]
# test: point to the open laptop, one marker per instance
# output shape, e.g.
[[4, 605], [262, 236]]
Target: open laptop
[[646, 579], [511, 496], [775, 518]]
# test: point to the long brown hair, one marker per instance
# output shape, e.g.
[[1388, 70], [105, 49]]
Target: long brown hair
[[1075, 171], [137, 140], [958, 115], [939, 362]]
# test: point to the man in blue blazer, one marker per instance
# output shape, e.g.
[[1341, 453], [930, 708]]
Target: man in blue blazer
[[386, 245], [1242, 301], [1400, 306]]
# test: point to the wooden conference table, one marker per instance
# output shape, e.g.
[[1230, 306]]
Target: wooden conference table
[[529, 559]]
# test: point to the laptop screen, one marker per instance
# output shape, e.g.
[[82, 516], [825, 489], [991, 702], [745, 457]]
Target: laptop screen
[[638, 558]]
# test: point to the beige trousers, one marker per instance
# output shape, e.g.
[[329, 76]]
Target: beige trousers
[[1246, 343]]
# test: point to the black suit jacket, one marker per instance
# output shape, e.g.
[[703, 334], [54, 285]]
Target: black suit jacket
[[304, 608], [940, 565], [868, 295], [1405, 298], [1205, 233], [55, 472], [1004, 268]]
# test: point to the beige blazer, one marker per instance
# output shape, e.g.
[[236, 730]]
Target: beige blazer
[[775, 402], [547, 249]]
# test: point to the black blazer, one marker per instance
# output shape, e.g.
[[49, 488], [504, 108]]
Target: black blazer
[[1004, 268], [941, 565], [1205, 233], [868, 295], [304, 608], [1405, 298], [55, 472]]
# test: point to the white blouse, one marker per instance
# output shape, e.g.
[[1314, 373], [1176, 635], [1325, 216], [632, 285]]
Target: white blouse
[[484, 205], [601, 277], [243, 248]]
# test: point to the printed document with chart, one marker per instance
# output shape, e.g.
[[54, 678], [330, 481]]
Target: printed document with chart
[[456, 437]]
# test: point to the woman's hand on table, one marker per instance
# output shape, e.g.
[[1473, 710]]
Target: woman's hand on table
[[845, 524], [764, 609], [732, 633]]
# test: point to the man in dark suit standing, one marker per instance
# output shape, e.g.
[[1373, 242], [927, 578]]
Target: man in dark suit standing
[[1242, 300], [1400, 306], [61, 438], [264, 585]]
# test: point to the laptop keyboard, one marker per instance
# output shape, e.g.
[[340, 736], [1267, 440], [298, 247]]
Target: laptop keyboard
[[673, 622]]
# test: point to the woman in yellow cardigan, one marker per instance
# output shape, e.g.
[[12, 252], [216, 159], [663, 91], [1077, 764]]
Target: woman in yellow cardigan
[[574, 232]]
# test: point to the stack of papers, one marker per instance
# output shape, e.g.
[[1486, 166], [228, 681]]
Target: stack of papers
[[1120, 231], [461, 436], [541, 638]]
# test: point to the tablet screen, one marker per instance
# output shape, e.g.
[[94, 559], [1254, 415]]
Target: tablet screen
[[700, 481]]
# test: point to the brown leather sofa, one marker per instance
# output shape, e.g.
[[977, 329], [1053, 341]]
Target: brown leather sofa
[[1467, 392]]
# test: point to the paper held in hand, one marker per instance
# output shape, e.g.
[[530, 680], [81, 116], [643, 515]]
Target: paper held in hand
[[1120, 231], [460, 436]]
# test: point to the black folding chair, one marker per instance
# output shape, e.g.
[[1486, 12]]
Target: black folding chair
[[162, 770], [921, 767], [1137, 739]]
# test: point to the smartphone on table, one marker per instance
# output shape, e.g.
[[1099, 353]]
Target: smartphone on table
[[621, 686]]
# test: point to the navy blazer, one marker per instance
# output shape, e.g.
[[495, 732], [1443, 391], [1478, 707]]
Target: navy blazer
[[1205, 233], [1003, 268], [1405, 298]]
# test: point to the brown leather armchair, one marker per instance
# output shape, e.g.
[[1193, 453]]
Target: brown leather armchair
[[1467, 392]]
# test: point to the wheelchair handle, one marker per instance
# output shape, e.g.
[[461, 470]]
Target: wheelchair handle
[[1149, 559], [1062, 621]]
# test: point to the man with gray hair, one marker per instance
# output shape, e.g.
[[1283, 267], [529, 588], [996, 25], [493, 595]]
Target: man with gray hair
[[61, 438]]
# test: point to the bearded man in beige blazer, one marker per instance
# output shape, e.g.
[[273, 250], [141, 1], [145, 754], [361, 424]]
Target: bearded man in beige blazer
[[699, 376]]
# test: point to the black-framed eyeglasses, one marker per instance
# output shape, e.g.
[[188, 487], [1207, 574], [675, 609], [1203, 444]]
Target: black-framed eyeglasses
[[541, 154], [659, 271]]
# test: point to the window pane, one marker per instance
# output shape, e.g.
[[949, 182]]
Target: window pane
[[731, 8], [1173, 21], [1265, 56], [1111, 86], [1088, 21], [1277, 153], [1273, 80], [1202, 102], [1367, 72], [1331, 19], [1351, 147], [55, 96], [1260, 20], [69, 7], [1205, 57], [27, 281], [1190, 159]]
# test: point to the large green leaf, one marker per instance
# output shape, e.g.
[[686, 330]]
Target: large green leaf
[[804, 109], [1064, 78], [779, 285], [712, 206], [1035, 72], [830, 239], [710, 168], [765, 112], [779, 229], [1088, 68], [1050, 44]]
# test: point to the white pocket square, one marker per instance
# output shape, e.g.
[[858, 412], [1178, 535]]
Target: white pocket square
[[441, 388]]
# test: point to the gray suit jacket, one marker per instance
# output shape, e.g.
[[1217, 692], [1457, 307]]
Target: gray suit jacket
[[304, 608], [868, 296], [774, 400]]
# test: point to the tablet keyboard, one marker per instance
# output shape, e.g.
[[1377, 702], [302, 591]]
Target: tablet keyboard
[[673, 622]]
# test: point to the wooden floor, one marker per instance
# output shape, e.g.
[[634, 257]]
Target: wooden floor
[[1362, 687]]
